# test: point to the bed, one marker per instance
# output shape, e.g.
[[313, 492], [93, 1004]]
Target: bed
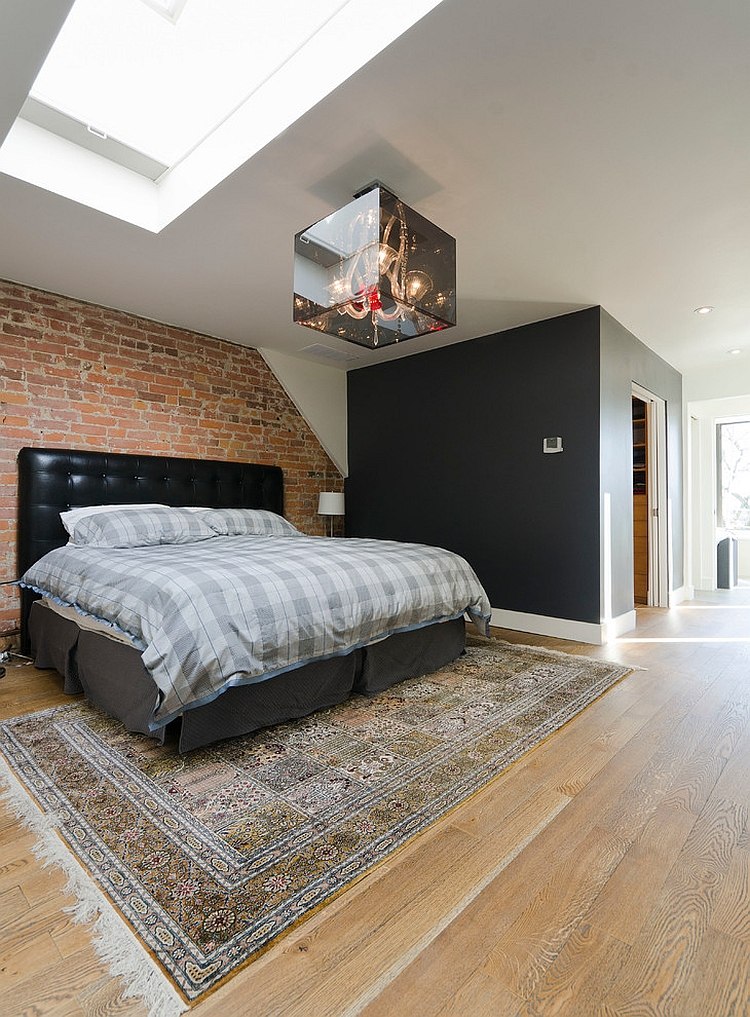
[[108, 664]]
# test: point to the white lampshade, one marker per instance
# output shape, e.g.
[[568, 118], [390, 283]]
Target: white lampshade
[[330, 503]]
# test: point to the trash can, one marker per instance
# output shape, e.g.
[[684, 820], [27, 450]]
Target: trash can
[[726, 563]]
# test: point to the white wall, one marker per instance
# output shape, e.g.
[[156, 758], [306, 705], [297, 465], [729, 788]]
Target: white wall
[[319, 393], [743, 564], [719, 381]]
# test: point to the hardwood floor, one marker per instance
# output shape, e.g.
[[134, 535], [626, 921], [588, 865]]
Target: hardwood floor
[[607, 872]]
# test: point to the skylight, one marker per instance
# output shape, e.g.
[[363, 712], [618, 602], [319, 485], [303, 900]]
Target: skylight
[[142, 106], [160, 86]]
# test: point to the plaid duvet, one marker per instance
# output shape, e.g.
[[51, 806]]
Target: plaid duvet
[[236, 610]]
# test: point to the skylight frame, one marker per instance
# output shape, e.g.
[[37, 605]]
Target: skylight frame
[[56, 164]]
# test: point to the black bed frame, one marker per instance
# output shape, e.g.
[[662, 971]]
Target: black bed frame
[[50, 481]]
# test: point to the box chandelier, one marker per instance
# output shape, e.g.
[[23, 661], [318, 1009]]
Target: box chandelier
[[375, 272]]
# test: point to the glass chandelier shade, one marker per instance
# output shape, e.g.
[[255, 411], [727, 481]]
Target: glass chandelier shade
[[375, 272]]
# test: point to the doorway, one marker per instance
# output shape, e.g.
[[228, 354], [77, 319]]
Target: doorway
[[640, 502], [650, 504]]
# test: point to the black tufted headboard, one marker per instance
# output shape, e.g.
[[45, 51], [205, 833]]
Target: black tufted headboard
[[53, 480]]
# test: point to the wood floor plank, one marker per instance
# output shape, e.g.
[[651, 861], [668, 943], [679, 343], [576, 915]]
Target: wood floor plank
[[734, 780], [482, 995], [25, 689], [106, 998], [720, 979], [18, 960], [699, 775], [632, 738], [525, 953], [47, 918], [622, 907], [462, 947], [12, 905], [71, 1008], [16, 841], [731, 915], [38, 886], [7, 819], [675, 752], [594, 737], [15, 866], [662, 957], [580, 976], [72, 939], [49, 989]]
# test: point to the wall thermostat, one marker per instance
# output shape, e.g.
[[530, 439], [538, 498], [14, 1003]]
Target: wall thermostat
[[552, 445]]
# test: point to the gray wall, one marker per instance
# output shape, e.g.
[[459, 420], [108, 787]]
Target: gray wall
[[624, 360], [445, 448]]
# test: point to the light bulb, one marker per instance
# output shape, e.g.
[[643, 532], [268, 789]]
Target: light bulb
[[417, 285], [339, 290], [386, 257]]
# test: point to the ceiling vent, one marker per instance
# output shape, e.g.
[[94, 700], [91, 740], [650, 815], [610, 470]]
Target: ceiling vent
[[320, 352]]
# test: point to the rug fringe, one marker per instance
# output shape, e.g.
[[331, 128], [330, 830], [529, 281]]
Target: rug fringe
[[114, 943]]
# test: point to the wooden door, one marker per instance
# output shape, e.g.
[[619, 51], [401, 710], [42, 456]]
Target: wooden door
[[640, 501]]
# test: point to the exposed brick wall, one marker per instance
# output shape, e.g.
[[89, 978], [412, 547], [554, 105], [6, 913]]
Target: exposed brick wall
[[74, 375]]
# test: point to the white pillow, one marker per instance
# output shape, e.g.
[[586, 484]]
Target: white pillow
[[70, 518]]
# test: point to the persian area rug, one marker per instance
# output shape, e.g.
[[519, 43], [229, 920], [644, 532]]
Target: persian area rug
[[209, 857]]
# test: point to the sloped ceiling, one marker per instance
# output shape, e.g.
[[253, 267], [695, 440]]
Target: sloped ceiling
[[592, 152]]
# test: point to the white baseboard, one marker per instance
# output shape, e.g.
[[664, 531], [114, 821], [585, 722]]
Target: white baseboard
[[681, 594], [564, 628], [618, 626]]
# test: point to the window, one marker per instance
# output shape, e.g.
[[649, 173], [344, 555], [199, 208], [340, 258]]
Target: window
[[733, 448]]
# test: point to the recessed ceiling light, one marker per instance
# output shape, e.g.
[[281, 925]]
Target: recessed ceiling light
[[703, 310], [735, 353]]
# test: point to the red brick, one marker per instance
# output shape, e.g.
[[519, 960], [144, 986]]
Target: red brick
[[151, 388]]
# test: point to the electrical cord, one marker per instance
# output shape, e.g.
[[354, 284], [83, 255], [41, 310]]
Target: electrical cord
[[7, 582]]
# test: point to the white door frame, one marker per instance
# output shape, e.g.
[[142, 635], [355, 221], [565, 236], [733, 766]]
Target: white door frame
[[658, 503]]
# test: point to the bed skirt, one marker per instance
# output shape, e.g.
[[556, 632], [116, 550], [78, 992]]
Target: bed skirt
[[112, 676]]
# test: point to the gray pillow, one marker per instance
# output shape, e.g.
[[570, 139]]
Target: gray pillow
[[142, 528], [234, 522]]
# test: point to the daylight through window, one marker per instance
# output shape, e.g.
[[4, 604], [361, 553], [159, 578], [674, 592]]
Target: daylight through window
[[733, 446]]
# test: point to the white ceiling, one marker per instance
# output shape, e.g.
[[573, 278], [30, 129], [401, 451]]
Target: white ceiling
[[592, 152]]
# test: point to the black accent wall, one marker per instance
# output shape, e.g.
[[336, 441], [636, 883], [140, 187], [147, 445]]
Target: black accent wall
[[445, 448]]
